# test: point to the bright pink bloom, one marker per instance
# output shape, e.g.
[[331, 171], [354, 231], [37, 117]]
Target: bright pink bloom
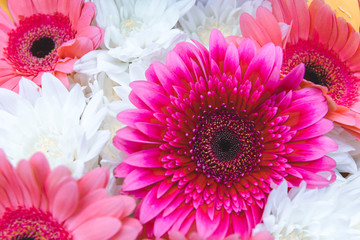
[[37, 203], [212, 130], [327, 45], [44, 36]]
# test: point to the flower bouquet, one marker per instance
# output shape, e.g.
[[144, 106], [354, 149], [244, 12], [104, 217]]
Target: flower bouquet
[[179, 119]]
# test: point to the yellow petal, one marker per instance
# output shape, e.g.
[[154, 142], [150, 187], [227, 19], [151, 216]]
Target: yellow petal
[[348, 9], [3, 5]]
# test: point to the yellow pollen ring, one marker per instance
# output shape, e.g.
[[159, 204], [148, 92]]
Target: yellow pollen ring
[[348, 9]]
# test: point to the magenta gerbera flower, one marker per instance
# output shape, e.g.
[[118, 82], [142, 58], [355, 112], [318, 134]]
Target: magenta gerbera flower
[[37, 203], [44, 36], [212, 130]]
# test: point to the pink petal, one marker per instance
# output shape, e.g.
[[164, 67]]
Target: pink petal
[[218, 47], [131, 116], [116, 207], [18, 10], [130, 229], [148, 158], [222, 229], [131, 140], [87, 13], [250, 28], [303, 17], [231, 61], [262, 64], [140, 178], [75, 48], [270, 24], [323, 15], [351, 46], [151, 95], [59, 176], [106, 227], [204, 225], [299, 118], [32, 194], [153, 130], [263, 236], [162, 223], [293, 79], [65, 201], [152, 206], [95, 179], [320, 128]]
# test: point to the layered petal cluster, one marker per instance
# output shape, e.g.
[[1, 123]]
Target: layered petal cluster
[[134, 30], [314, 214], [212, 130], [54, 121], [45, 36], [326, 44], [223, 15], [38, 203]]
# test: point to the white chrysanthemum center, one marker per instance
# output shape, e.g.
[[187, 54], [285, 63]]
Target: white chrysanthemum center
[[296, 234], [130, 25], [204, 31], [49, 145]]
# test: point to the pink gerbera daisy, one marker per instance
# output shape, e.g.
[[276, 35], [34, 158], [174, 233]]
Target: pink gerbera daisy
[[44, 36], [212, 130], [327, 45], [38, 204]]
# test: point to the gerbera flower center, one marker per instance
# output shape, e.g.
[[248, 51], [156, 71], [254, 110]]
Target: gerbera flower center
[[42, 47], [31, 223], [226, 146], [32, 46], [324, 68]]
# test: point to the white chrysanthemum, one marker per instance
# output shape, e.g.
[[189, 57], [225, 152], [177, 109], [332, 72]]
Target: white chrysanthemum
[[134, 30], [54, 121], [313, 214], [347, 156], [223, 15]]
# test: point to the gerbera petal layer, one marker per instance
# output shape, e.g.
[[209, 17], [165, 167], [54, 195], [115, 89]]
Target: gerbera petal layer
[[211, 132], [36, 201]]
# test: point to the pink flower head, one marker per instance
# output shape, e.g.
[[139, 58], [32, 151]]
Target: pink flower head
[[44, 36], [37, 203], [212, 130], [327, 45]]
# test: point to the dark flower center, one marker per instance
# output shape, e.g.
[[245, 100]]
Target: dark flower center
[[31, 224], [317, 74], [226, 146], [23, 238], [323, 67], [42, 47]]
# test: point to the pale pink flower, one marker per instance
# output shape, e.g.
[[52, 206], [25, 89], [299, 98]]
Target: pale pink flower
[[37, 203], [44, 36]]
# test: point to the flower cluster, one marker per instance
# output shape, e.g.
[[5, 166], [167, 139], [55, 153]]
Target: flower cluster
[[179, 119]]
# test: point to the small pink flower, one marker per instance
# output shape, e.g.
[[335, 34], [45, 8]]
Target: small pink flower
[[37, 203], [212, 130], [44, 36]]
